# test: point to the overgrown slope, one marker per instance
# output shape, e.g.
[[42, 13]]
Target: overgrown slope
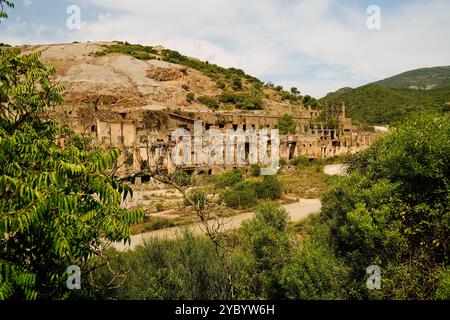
[[377, 104], [424, 79]]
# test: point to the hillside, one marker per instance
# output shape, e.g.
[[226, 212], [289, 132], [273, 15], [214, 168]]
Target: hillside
[[391, 99], [424, 79], [117, 75], [376, 104]]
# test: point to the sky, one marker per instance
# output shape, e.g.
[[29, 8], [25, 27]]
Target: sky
[[317, 46]]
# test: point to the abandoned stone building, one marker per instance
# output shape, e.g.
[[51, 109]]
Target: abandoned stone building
[[143, 133]]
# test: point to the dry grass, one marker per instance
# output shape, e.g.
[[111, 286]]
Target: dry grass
[[305, 182]]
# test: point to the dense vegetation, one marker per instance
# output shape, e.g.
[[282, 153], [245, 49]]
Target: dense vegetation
[[286, 124], [392, 210], [58, 204], [135, 50], [377, 104], [425, 78]]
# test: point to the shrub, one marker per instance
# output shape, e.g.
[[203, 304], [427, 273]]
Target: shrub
[[255, 170], [227, 97], [221, 85], [185, 87], [242, 196], [190, 97], [286, 124], [198, 197], [267, 237], [236, 83], [301, 161], [248, 102], [393, 209], [246, 193], [159, 207], [210, 102], [229, 179], [185, 268], [180, 178], [312, 268], [269, 188]]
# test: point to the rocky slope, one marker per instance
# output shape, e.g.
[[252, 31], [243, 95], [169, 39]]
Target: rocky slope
[[117, 75]]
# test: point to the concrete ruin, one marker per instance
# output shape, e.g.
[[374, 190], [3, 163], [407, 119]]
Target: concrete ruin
[[142, 133]]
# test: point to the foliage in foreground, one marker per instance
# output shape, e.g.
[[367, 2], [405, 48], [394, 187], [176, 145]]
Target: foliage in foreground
[[393, 211], [58, 205]]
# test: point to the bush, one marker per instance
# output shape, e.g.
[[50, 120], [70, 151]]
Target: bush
[[236, 83], [229, 179], [210, 102], [269, 188], [159, 207], [185, 268], [185, 87], [242, 100], [255, 170], [314, 272], [242, 196], [301, 161], [393, 210], [246, 194], [135, 50], [190, 97], [227, 97], [267, 237], [180, 178], [198, 197], [286, 124]]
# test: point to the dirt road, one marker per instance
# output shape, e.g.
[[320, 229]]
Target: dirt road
[[297, 211]]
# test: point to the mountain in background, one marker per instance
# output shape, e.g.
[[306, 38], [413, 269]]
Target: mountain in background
[[391, 99], [423, 79]]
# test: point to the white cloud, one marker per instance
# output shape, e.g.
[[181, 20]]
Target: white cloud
[[27, 3]]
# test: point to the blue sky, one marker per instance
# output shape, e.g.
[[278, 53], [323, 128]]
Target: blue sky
[[316, 45]]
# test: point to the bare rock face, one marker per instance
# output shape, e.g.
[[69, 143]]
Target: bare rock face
[[117, 81], [164, 74]]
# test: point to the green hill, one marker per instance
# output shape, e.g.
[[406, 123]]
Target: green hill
[[378, 104], [389, 100], [424, 79]]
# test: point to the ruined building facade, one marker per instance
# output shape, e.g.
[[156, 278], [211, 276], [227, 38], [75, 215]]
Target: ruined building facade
[[141, 133]]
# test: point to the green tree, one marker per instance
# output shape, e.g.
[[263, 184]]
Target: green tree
[[3, 5], [286, 124], [210, 102], [295, 91], [58, 204], [393, 210], [268, 237], [190, 97]]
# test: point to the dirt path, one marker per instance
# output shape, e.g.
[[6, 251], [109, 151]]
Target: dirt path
[[297, 211]]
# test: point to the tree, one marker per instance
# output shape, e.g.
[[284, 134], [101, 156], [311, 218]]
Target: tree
[[393, 211], [59, 205], [295, 91], [267, 237], [3, 5], [286, 124]]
